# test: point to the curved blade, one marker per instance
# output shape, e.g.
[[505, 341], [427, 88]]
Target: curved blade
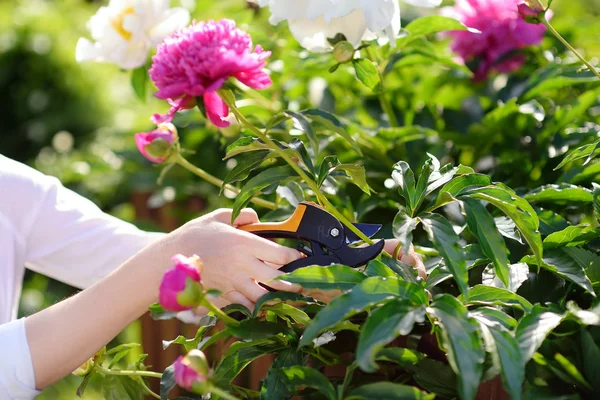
[[369, 231], [357, 256]]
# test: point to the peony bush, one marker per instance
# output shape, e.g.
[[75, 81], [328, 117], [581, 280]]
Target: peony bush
[[485, 165]]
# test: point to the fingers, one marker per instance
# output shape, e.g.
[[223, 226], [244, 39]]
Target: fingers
[[416, 261], [266, 274], [236, 297], [247, 216], [390, 246], [250, 289], [273, 253]]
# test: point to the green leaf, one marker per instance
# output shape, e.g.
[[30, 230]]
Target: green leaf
[[278, 297], [357, 176], [121, 388], [246, 163], [292, 192], [366, 72], [401, 356], [317, 277], [240, 354], [327, 165], [550, 222], [299, 376], [158, 313], [405, 179], [167, 382], [303, 124], [591, 358], [139, 80], [368, 293], [258, 183], [492, 316], [404, 271], [462, 342], [239, 308], [121, 353], [432, 164], [563, 264], [488, 295], [444, 238], [571, 236], [589, 150], [533, 329], [274, 385], [286, 311], [517, 274], [457, 186], [388, 391], [244, 145], [517, 209], [386, 323], [576, 376], [558, 82], [596, 194], [297, 146], [331, 122], [482, 225], [434, 24], [562, 194], [255, 329], [378, 268]]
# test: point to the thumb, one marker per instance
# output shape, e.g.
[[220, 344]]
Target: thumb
[[247, 216]]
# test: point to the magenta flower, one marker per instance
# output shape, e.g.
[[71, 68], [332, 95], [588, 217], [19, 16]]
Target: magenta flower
[[196, 61], [156, 145], [503, 32], [180, 288], [191, 371]]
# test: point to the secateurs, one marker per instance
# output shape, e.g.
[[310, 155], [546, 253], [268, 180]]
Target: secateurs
[[329, 240]]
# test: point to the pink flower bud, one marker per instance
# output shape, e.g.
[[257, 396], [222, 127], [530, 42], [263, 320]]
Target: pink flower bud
[[531, 15], [191, 371], [180, 288], [156, 145]]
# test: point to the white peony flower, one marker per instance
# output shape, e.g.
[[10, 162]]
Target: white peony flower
[[126, 30], [312, 22]]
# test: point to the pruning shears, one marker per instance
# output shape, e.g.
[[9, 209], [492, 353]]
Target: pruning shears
[[329, 241]]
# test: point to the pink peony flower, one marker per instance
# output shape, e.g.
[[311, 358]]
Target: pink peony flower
[[192, 370], [196, 61], [180, 288], [156, 145], [503, 32]]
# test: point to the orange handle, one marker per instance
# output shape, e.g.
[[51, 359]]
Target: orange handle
[[289, 225]]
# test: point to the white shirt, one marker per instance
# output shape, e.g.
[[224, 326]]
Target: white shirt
[[54, 231]]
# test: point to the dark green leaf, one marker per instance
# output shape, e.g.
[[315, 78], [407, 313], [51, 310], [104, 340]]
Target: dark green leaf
[[405, 271], [378, 268], [233, 308], [366, 72], [434, 24], [243, 145], [368, 293], [405, 179], [167, 382], [457, 186], [462, 342], [298, 376], [550, 222], [596, 195], [508, 229], [298, 146], [517, 209], [121, 388], [488, 295], [571, 236], [388, 391], [240, 354], [482, 225], [357, 176], [491, 316], [562, 194], [591, 358], [563, 264], [533, 329], [246, 163], [444, 238], [331, 122], [435, 376], [432, 164], [386, 323], [589, 150], [81, 388], [587, 260], [255, 329], [303, 124], [258, 183], [327, 165], [139, 79], [278, 297], [274, 385], [317, 277]]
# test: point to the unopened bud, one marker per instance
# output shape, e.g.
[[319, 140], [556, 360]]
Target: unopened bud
[[532, 12], [343, 52]]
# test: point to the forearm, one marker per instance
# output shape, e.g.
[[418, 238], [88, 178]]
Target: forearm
[[82, 324]]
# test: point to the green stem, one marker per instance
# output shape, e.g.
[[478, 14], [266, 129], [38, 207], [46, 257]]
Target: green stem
[[312, 184], [217, 182], [255, 95], [568, 45], [147, 389], [220, 314], [347, 379], [121, 372], [386, 106], [221, 393]]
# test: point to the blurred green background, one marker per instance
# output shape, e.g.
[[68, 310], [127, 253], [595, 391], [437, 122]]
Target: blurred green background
[[76, 121]]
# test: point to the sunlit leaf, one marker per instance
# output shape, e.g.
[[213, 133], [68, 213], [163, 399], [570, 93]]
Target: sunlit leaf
[[366, 72], [533, 329], [331, 277]]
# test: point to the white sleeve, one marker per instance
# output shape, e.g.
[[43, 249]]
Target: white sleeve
[[67, 236], [17, 380]]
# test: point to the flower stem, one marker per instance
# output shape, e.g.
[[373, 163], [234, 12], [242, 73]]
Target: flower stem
[[226, 96], [217, 182], [220, 314], [386, 106], [221, 393], [121, 372], [568, 45], [147, 389]]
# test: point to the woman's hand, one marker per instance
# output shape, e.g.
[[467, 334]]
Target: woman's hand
[[234, 260]]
